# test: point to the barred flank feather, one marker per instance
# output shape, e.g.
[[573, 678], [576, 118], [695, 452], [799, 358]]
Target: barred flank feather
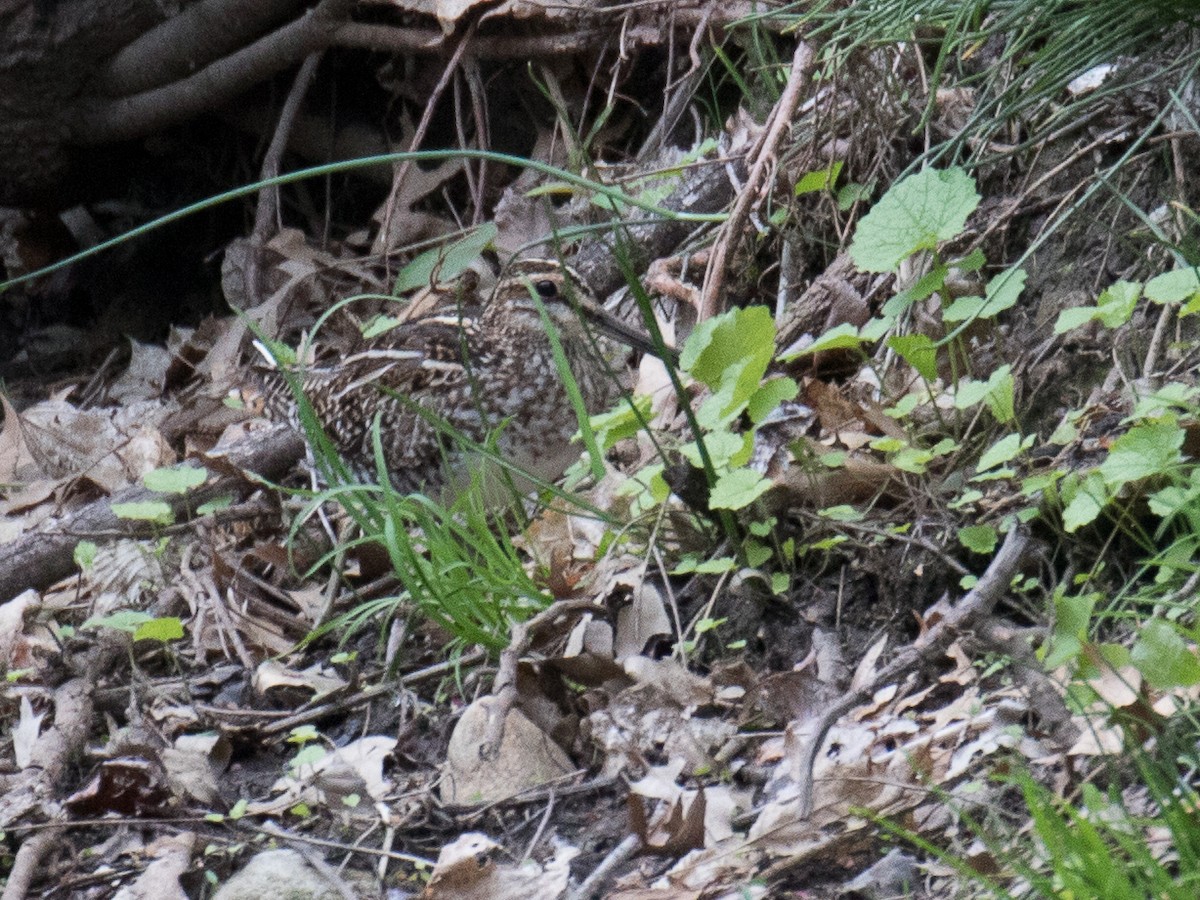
[[459, 371]]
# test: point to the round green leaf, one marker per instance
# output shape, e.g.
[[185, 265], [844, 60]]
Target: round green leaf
[[917, 213]]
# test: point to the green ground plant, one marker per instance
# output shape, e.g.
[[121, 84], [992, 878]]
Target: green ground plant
[[1145, 486]]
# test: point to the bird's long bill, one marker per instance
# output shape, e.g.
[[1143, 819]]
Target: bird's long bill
[[631, 337]]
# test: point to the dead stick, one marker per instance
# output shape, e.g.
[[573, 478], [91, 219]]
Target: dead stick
[[130, 117], [201, 33], [704, 188], [616, 858], [419, 136], [505, 687], [973, 608], [781, 118], [27, 864], [39, 559], [52, 751], [268, 198]]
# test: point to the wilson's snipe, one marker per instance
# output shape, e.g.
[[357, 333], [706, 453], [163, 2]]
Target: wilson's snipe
[[471, 371]]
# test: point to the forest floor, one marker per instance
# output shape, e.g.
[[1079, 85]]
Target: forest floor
[[884, 586]]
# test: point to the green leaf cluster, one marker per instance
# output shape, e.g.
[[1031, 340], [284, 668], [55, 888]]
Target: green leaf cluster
[[1116, 303], [730, 354]]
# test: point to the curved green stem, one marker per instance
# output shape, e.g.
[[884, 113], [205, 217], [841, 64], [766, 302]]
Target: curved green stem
[[570, 178]]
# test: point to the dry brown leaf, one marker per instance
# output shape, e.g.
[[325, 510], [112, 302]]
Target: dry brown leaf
[[145, 376], [883, 762], [719, 803], [857, 480], [465, 870], [17, 462], [111, 448], [194, 766], [587, 657], [671, 680], [676, 826], [28, 498]]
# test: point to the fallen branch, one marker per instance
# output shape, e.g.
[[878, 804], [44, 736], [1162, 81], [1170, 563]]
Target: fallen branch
[[39, 559], [505, 687], [617, 857], [202, 33], [140, 114], [706, 188], [34, 786], [968, 612], [55, 752]]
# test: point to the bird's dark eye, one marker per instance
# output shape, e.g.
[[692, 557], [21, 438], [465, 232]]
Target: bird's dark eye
[[546, 289]]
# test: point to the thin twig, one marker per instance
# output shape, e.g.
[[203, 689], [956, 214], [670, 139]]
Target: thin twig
[[422, 127], [268, 198], [763, 154], [504, 688], [975, 606], [617, 857], [341, 704], [541, 829]]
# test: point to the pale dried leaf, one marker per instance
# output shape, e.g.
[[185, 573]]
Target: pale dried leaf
[[1117, 688], [637, 722], [14, 649], [892, 876], [191, 776], [17, 462], [643, 618], [659, 782], [311, 601], [122, 573], [725, 871], [356, 768], [449, 12], [112, 448], [145, 376], [1097, 738], [272, 675], [864, 673], [526, 758], [282, 873], [465, 870], [670, 679], [169, 858], [26, 499], [25, 733]]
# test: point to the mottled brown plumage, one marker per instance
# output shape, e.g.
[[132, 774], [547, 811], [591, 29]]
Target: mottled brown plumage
[[473, 371]]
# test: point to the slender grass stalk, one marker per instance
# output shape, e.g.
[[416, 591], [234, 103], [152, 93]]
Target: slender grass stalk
[[614, 194]]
